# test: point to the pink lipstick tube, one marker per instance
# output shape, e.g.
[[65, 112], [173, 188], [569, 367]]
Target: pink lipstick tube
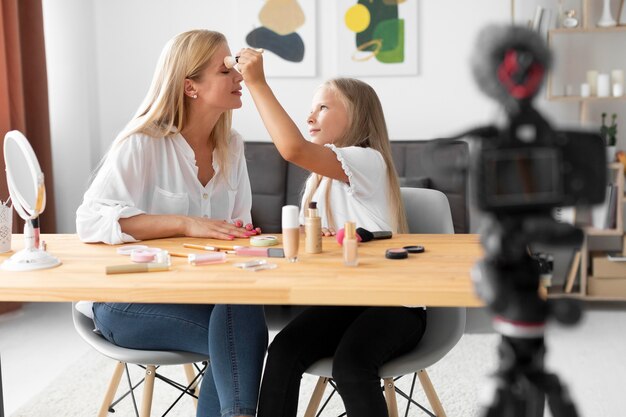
[[206, 258]]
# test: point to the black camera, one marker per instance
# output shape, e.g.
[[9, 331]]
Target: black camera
[[558, 168], [526, 165]]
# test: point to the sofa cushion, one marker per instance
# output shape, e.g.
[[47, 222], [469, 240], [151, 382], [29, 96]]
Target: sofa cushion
[[415, 182], [296, 178], [266, 169], [443, 165]]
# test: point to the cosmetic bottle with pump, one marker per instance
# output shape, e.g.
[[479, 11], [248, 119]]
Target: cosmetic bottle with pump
[[291, 232], [350, 248], [312, 230]]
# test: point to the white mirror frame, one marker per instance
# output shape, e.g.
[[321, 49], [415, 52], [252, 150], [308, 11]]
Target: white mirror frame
[[23, 208], [31, 257]]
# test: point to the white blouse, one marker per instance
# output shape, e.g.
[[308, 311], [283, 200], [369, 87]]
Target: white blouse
[[147, 175], [364, 200]]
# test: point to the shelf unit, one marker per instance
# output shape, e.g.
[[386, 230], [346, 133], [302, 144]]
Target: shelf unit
[[598, 240], [585, 29]]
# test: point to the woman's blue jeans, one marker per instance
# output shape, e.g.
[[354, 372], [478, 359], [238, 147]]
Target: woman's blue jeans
[[234, 337]]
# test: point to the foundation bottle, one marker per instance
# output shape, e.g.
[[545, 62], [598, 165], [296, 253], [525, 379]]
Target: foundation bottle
[[291, 232], [312, 230], [350, 248]]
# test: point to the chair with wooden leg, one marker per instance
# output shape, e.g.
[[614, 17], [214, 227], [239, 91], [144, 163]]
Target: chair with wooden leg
[[150, 360], [428, 211], [444, 329]]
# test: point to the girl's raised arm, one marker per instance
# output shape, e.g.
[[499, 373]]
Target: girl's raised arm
[[292, 146]]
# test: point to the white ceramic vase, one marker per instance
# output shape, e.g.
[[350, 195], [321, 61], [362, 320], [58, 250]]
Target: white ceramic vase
[[607, 18], [610, 154]]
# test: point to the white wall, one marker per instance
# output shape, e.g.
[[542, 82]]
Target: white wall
[[101, 56], [73, 96]]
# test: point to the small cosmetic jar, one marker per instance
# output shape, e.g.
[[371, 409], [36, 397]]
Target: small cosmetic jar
[[414, 248], [396, 253]]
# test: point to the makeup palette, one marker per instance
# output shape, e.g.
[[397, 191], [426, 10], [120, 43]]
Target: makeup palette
[[267, 240], [144, 255]]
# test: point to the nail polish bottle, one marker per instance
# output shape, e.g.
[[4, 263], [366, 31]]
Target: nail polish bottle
[[350, 245], [291, 232], [312, 230]]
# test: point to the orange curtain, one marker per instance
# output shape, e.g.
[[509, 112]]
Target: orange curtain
[[24, 93]]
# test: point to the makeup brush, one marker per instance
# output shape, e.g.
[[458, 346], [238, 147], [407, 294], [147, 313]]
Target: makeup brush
[[366, 235], [231, 61]]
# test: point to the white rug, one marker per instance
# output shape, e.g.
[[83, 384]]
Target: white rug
[[79, 390]]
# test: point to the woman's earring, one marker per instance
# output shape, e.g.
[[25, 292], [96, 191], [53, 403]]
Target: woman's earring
[[195, 96]]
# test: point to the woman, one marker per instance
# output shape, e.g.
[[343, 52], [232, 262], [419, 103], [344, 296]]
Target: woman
[[178, 169]]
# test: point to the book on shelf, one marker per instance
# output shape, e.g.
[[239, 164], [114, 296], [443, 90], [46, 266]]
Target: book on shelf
[[611, 213], [543, 21], [546, 23], [573, 272], [536, 22], [604, 215]]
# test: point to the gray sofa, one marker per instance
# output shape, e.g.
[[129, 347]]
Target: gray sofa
[[425, 164]]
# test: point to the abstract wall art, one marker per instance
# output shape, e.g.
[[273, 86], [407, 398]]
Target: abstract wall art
[[377, 37], [285, 29]]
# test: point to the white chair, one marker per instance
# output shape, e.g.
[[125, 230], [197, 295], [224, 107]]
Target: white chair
[[150, 360], [428, 211]]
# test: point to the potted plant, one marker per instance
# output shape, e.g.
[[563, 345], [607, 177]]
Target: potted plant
[[609, 134]]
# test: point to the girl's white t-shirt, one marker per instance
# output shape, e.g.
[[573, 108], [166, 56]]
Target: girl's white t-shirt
[[147, 175], [364, 200]]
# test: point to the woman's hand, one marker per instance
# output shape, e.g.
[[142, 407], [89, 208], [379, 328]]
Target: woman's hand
[[249, 227], [251, 67], [216, 229]]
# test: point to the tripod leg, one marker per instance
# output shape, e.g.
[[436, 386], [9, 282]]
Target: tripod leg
[[559, 400]]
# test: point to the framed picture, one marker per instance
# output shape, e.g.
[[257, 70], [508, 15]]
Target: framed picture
[[286, 32], [377, 37]]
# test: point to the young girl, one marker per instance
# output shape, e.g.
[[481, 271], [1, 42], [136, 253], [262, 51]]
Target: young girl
[[178, 169], [353, 179]]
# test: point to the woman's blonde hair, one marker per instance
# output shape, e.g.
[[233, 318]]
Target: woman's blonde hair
[[367, 129], [164, 109]]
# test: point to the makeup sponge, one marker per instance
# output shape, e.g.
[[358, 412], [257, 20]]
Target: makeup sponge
[[340, 234], [230, 61]]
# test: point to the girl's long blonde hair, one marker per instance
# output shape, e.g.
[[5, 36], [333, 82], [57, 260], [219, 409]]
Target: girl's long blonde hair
[[367, 129], [164, 109]]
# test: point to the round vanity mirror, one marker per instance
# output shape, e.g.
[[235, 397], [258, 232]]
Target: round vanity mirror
[[26, 187]]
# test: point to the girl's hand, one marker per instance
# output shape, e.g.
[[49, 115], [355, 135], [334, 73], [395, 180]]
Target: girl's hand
[[328, 231], [214, 229], [251, 66]]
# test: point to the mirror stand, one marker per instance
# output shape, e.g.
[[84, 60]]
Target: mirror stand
[[31, 257]]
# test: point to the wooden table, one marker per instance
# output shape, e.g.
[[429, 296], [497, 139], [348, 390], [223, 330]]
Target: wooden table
[[438, 277]]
